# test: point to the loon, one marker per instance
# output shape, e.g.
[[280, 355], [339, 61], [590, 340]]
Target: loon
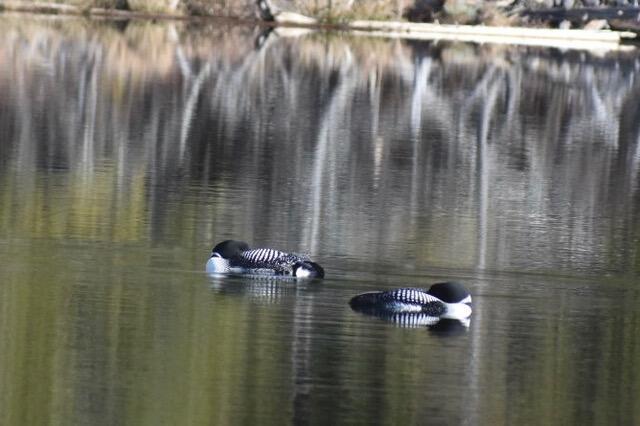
[[447, 300], [232, 256]]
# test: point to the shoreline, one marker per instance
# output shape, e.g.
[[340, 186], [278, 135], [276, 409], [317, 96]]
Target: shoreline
[[286, 22]]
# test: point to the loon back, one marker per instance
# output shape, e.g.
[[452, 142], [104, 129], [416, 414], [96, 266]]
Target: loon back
[[280, 262], [263, 258], [400, 300]]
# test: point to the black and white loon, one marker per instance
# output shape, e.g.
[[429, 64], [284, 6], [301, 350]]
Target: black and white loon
[[232, 256], [443, 300]]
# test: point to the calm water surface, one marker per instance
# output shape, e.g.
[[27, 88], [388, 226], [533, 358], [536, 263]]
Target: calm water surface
[[128, 149]]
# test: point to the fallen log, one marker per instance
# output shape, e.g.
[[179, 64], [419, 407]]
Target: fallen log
[[40, 7]]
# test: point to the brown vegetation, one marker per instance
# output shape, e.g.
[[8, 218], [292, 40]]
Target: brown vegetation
[[546, 13]]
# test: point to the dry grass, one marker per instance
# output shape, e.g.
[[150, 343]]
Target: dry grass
[[154, 6], [325, 11], [339, 11], [235, 8]]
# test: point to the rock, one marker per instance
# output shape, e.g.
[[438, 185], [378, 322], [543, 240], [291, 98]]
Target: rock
[[565, 25], [597, 24], [463, 11], [294, 18]]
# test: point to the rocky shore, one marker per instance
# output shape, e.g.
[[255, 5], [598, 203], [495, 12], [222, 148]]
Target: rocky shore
[[553, 14]]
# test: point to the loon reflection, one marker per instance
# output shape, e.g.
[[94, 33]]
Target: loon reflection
[[415, 307], [235, 257], [262, 289], [437, 325]]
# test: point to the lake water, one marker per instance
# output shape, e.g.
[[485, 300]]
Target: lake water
[[129, 149]]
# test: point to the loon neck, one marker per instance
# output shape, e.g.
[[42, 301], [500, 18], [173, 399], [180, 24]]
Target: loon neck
[[217, 264], [457, 311]]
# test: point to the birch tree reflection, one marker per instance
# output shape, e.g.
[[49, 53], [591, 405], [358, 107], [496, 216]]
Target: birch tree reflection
[[463, 155]]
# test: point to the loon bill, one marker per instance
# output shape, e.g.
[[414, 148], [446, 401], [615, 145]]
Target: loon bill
[[232, 256], [448, 300]]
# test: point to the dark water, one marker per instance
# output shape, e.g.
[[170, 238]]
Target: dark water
[[128, 149]]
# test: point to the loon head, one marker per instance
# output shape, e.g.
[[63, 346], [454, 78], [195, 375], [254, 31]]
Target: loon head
[[229, 248], [456, 298], [307, 269], [450, 292], [222, 252]]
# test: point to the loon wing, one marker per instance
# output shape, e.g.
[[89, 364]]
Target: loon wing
[[408, 295], [405, 299], [266, 258]]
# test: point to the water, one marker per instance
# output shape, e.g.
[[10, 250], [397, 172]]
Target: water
[[129, 149]]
